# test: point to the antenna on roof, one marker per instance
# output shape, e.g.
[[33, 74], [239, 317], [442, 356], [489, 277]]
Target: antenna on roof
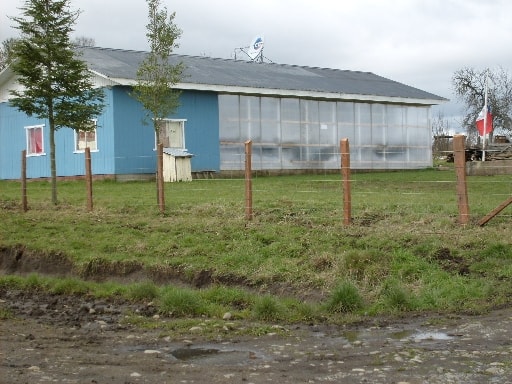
[[255, 50]]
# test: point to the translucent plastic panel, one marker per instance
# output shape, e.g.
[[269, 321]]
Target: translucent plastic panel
[[270, 157], [250, 118], [378, 120], [417, 117], [362, 115], [345, 116], [310, 126], [290, 110], [309, 111], [395, 130], [418, 137], [394, 115], [328, 126], [270, 120], [290, 132], [232, 157], [229, 118]]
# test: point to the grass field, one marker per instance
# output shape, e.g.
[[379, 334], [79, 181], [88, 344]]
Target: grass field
[[405, 250]]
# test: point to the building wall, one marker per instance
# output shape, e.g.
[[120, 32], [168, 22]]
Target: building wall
[[125, 145], [293, 133], [69, 163], [201, 110], [135, 140]]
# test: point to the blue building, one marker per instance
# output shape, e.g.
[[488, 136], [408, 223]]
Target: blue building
[[295, 117]]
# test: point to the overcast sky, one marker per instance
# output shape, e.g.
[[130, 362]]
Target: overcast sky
[[416, 42]]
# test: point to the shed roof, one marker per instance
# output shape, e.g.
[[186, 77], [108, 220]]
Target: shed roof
[[240, 76], [119, 67]]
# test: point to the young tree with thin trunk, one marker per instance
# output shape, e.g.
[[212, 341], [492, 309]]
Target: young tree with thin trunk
[[156, 75], [56, 84]]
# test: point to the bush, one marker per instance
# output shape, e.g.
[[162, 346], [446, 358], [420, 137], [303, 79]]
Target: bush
[[396, 296], [143, 291], [181, 302], [345, 298], [267, 308]]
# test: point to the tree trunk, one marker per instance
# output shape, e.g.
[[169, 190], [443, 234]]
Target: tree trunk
[[53, 165]]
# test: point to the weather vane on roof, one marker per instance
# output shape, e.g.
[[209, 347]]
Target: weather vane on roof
[[254, 51]]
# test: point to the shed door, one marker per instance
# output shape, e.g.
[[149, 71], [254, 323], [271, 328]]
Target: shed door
[[172, 133]]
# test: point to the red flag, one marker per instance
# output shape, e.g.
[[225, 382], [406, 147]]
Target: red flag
[[480, 122]]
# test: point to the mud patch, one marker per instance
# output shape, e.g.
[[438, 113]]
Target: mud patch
[[20, 260], [99, 269], [450, 262]]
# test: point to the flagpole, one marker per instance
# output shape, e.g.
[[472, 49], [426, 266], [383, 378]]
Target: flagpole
[[485, 114]]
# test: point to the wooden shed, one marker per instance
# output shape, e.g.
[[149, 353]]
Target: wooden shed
[[176, 164]]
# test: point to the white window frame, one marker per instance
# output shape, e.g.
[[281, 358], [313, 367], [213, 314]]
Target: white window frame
[[182, 121], [27, 136], [75, 142]]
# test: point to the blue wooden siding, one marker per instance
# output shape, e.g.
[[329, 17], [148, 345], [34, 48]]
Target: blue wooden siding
[[134, 142], [201, 109], [69, 163], [125, 144], [13, 141]]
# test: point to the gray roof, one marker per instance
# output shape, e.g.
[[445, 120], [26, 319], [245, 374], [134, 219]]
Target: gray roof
[[177, 152], [224, 74]]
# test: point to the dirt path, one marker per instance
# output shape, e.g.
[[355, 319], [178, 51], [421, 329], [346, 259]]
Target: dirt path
[[66, 340]]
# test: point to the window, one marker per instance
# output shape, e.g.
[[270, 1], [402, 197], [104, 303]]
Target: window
[[86, 139], [171, 133], [35, 140]]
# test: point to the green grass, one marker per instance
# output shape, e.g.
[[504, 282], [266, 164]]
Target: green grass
[[344, 298], [404, 251]]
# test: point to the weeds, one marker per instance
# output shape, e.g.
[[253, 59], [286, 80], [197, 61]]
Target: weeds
[[345, 298], [404, 251], [181, 302], [267, 308]]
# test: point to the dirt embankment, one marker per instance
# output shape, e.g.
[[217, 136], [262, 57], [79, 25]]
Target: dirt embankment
[[78, 339]]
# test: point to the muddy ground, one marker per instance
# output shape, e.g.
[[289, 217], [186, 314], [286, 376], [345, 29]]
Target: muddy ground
[[48, 338], [53, 338]]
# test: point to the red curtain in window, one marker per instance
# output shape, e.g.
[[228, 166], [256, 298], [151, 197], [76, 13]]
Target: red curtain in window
[[35, 140], [38, 140]]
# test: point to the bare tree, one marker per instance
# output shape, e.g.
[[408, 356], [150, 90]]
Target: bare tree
[[469, 86], [84, 41], [6, 52], [441, 135]]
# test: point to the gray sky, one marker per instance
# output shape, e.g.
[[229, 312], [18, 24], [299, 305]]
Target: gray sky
[[417, 42]]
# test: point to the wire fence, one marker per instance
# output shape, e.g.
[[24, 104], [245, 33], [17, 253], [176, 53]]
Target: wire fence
[[340, 197]]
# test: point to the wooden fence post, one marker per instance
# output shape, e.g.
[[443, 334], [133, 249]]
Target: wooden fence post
[[345, 172], [24, 200], [160, 177], [459, 152], [88, 178], [248, 180]]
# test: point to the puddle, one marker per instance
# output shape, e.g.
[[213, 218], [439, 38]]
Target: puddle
[[434, 336], [351, 336], [400, 335], [419, 336], [185, 354], [203, 355]]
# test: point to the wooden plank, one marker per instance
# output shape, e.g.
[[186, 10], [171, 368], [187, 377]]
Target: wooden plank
[[495, 211]]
